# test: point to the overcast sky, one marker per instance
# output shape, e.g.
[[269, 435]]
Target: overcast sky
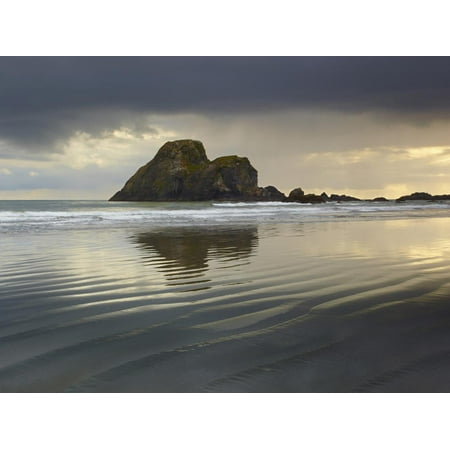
[[80, 127]]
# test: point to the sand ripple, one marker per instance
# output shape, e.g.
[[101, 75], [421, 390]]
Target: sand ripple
[[277, 308]]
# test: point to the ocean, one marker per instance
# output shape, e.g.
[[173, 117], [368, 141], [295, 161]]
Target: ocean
[[100, 296]]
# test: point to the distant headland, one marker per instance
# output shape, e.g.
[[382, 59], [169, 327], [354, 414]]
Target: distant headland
[[181, 171]]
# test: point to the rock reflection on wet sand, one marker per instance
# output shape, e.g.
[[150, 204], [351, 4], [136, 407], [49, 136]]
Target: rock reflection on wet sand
[[319, 307], [183, 256]]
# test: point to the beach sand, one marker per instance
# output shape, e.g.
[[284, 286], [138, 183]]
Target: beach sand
[[347, 306]]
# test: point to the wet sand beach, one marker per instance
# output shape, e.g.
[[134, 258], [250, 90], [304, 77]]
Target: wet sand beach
[[350, 304]]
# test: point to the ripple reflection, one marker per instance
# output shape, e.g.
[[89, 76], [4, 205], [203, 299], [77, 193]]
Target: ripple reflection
[[184, 256]]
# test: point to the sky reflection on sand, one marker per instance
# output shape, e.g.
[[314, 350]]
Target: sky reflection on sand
[[327, 306]]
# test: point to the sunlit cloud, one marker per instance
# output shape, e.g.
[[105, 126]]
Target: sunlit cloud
[[359, 126], [358, 154]]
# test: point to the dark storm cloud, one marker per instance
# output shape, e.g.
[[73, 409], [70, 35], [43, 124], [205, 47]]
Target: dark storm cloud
[[43, 99], [202, 83]]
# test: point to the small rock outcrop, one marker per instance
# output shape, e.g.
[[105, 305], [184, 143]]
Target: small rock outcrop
[[181, 171], [441, 197], [423, 196], [380, 199], [298, 196], [343, 198], [415, 196], [269, 194], [312, 198]]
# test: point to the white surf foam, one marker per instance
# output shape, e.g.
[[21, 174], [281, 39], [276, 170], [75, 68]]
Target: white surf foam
[[35, 215]]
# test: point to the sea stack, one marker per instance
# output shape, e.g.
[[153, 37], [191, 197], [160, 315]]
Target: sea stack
[[181, 171]]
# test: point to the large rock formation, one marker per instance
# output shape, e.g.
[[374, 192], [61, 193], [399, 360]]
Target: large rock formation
[[181, 171]]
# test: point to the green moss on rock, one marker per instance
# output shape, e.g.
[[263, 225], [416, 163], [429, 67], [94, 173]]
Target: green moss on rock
[[181, 171]]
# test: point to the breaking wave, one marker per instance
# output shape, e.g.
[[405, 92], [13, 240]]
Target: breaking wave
[[42, 215]]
